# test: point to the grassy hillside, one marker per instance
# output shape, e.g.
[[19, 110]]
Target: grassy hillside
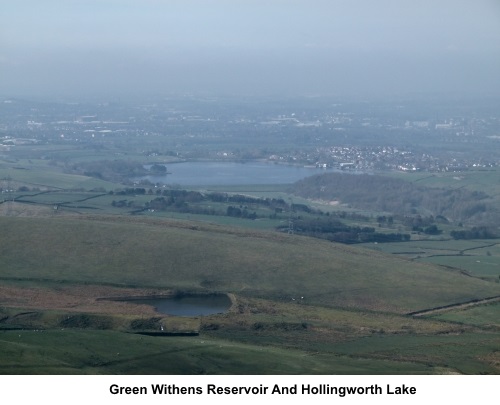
[[109, 352], [143, 252], [38, 175]]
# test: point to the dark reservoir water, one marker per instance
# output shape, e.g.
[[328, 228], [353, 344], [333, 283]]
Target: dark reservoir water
[[189, 305], [232, 173]]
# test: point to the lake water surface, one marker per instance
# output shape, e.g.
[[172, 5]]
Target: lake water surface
[[232, 173]]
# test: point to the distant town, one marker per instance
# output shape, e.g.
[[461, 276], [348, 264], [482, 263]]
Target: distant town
[[354, 136]]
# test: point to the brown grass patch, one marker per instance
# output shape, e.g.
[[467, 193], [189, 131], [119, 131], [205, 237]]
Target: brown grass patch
[[85, 298]]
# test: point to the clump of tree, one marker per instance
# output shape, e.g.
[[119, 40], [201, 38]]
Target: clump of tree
[[477, 232], [158, 170], [131, 191], [432, 230], [240, 213], [122, 203], [112, 170]]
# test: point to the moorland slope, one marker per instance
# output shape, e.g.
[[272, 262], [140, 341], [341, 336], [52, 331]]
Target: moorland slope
[[195, 256]]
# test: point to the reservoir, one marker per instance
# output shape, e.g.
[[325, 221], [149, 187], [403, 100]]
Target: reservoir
[[232, 173], [189, 305]]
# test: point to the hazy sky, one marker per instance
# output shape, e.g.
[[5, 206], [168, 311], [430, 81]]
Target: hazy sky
[[270, 47]]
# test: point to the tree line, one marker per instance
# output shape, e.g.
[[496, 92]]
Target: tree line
[[336, 231]]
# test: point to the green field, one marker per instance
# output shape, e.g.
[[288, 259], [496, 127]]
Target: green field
[[44, 177], [481, 180], [484, 316], [479, 258]]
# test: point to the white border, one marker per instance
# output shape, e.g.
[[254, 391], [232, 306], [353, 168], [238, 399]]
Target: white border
[[82, 389]]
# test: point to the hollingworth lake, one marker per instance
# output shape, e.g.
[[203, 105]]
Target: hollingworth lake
[[232, 173]]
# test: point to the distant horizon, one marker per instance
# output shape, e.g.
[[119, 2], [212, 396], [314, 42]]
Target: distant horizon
[[145, 97], [347, 49]]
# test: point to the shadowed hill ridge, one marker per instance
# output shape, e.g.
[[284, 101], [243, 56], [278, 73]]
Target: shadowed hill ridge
[[382, 193]]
